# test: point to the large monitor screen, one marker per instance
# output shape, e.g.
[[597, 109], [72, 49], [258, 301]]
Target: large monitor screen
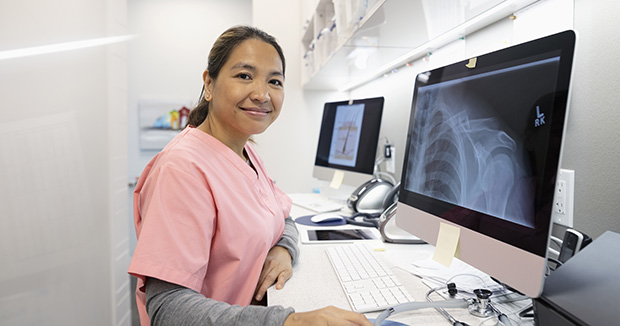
[[483, 153], [349, 136]]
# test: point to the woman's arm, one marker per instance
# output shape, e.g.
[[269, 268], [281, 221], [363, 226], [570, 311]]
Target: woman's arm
[[278, 266], [171, 304], [290, 238]]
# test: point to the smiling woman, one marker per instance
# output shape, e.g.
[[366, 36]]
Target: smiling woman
[[246, 97], [213, 229], [221, 51]]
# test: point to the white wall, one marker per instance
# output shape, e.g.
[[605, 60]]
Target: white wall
[[168, 57], [592, 149], [63, 236]]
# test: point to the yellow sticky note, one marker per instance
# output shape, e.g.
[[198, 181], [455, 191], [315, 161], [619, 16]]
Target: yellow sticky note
[[447, 244], [337, 179]]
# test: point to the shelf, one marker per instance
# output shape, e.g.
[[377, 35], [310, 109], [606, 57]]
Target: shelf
[[390, 34], [366, 45]]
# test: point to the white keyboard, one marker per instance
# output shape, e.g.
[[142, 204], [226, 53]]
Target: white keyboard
[[368, 283], [317, 203]]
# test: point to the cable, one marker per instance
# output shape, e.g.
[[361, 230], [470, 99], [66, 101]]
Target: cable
[[368, 219], [449, 317], [380, 159], [418, 305], [482, 284], [504, 319], [382, 155], [387, 175], [554, 252], [555, 261], [526, 312], [556, 240], [496, 289], [501, 316]]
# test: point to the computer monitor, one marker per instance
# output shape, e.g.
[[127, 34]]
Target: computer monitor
[[482, 154], [348, 140]]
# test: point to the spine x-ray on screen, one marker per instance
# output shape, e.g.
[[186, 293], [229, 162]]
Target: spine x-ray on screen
[[346, 134]]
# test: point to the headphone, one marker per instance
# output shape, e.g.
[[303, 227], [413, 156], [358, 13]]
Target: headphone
[[373, 218]]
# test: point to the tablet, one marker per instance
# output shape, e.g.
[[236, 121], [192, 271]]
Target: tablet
[[338, 235]]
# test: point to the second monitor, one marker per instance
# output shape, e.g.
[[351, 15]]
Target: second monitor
[[348, 140]]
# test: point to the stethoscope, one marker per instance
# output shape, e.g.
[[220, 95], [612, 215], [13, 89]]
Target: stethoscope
[[480, 306]]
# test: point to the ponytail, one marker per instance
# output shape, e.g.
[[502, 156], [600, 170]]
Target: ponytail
[[198, 114]]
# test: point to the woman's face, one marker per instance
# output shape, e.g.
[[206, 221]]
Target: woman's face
[[247, 96]]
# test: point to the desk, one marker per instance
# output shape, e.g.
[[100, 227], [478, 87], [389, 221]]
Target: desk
[[314, 284]]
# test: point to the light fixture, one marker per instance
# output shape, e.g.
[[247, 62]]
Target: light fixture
[[59, 47]]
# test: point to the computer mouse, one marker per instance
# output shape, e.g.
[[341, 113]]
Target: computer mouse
[[326, 217]]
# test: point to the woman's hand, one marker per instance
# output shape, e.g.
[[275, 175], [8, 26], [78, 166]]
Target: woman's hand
[[277, 269], [329, 316]]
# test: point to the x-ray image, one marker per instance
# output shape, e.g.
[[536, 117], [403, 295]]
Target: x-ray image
[[469, 145], [346, 134]]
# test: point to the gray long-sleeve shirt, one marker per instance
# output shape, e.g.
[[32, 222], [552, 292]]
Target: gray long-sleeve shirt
[[172, 304]]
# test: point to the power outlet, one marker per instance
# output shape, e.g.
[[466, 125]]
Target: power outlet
[[559, 203], [563, 200]]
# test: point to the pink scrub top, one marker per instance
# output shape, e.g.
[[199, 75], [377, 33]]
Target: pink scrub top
[[205, 219]]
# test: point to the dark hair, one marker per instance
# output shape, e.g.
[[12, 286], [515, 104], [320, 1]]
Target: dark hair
[[219, 54]]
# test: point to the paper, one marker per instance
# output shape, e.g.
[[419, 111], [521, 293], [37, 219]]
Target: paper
[[447, 244], [337, 179], [465, 276]]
